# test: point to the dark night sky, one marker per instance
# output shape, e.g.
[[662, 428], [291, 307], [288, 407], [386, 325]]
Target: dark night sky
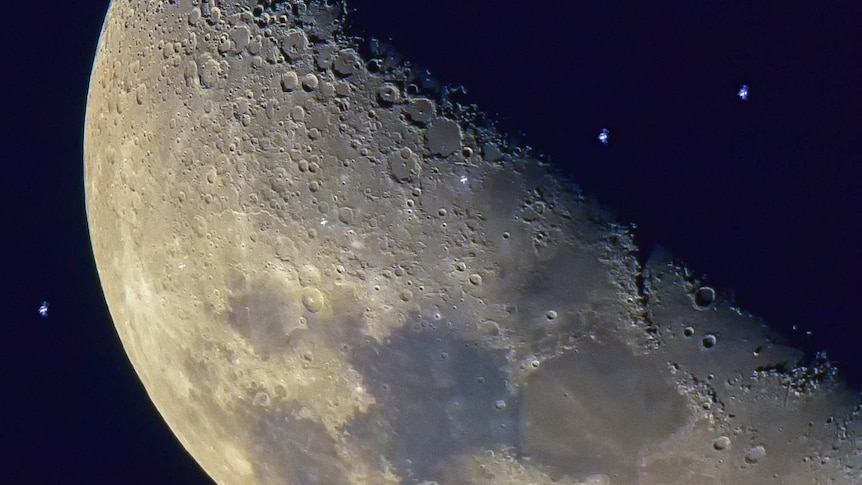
[[763, 196]]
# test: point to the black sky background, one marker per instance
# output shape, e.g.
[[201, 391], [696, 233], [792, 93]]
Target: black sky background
[[763, 196]]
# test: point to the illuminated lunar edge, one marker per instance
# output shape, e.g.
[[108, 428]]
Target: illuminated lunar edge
[[323, 275]]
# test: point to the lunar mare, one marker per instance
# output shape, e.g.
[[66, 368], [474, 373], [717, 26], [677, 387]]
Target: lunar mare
[[323, 274]]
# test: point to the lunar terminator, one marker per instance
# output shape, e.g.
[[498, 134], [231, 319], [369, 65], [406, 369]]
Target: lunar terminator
[[323, 274]]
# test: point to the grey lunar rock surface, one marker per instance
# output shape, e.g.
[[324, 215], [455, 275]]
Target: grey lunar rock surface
[[325, 276]]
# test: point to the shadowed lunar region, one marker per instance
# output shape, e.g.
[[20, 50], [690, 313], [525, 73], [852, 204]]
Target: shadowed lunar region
[[324, 274]]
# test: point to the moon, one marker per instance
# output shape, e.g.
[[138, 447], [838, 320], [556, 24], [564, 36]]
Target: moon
[[325, 274]]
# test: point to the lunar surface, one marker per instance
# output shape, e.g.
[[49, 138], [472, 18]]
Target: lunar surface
[[325, 275]]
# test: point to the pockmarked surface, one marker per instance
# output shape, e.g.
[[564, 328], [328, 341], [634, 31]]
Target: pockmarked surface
[[324, 274]]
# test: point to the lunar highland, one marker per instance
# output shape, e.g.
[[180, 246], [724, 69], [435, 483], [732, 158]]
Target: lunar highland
[[324, 274]]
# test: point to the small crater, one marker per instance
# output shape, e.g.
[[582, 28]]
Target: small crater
[[388, 94], [294, 44], [309, 275], [403, 165], [141, 93], [704, 297], [721, 443], [345, 215], [346, 63], [312, 299], [709, 341], [261, 399], [755, 455], [199, 224], [444, 137], [421, 110], [310, 82], [289, 81]]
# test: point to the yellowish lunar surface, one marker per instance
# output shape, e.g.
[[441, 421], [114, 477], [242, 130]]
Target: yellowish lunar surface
[[323, 275]]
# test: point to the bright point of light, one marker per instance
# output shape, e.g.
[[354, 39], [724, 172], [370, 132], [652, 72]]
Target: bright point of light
[[463, 179], [743, 92], [43, 309], [603, 136]]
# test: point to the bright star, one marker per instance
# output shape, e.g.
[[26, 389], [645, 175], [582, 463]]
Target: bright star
[[43, 309], [603, 136]]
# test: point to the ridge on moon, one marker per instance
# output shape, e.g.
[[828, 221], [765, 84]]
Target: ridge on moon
[[324, 274]]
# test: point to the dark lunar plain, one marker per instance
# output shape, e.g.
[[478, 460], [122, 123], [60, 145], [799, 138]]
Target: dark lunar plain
[[762, 195]]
